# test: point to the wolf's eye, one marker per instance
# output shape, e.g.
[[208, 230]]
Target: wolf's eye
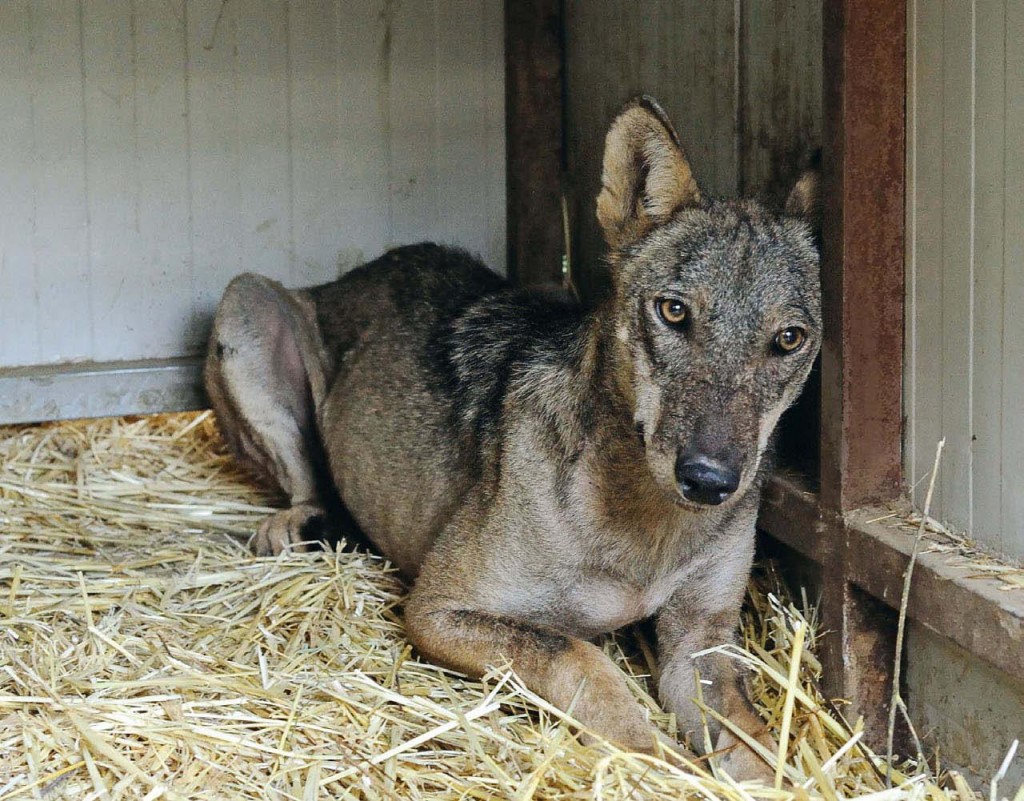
[[790, 340], [672, 311]]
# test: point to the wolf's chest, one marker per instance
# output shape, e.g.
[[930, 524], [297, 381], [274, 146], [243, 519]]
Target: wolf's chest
[[600, 603]]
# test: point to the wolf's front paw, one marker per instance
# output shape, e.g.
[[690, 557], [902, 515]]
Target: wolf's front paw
[[285, 529], [743, 764]]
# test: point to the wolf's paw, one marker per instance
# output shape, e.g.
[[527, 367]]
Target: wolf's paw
[[285, 530], [744, 765]]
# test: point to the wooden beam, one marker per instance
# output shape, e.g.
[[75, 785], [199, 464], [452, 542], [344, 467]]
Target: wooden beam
[[861, 558], [864, 96], [534, 139]]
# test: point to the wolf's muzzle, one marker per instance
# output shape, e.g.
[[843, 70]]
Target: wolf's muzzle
[[705, 480]]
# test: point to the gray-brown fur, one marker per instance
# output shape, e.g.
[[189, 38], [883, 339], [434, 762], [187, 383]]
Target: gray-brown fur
[[524, 461]]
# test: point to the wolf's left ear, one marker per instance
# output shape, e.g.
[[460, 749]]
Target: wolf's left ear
[[645, 176], [805, 198]]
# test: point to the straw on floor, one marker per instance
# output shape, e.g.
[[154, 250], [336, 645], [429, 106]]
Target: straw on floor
[[145, 654]]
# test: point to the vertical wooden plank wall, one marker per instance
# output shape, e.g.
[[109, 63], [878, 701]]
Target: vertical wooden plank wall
[[741, 81], [780, 101], [534, 108], [470, 191], [17, 262], [213, 157], [60, 214], [965, 248], [145, 307], [1012, 351], [150, 151], [990, 240]]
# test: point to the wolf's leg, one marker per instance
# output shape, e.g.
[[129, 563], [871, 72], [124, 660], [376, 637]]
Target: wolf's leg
[[682, 631], [565, 671], [264, 374]]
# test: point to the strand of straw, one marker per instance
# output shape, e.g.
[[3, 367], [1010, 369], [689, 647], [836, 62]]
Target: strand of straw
[[787, 709], [901, 626]]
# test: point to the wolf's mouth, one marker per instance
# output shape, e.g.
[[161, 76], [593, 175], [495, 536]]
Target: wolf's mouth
[[690, 506]]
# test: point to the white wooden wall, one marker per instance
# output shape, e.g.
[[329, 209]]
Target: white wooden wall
[[965, 263], [152, 149]]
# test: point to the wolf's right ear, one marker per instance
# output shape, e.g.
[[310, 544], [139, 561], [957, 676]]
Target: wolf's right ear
[[805, 198], [645, 176]]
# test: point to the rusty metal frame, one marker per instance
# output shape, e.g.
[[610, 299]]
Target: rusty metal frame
[[864, 63], [845, 529]]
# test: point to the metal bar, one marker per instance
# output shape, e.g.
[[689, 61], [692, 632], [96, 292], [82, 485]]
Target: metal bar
[[95, 389], [864, 97], [534, 139], [864, 61]]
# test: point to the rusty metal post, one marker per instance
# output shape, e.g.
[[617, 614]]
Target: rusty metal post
[[864, 60], [863, 250]]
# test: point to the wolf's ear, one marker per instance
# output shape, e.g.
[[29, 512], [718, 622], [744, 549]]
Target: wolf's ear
[[805, 198], [645, 176]]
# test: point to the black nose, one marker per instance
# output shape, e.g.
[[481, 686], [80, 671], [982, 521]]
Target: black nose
[[705, 480]]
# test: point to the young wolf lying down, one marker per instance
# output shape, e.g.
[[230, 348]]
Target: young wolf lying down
[[542, 473]]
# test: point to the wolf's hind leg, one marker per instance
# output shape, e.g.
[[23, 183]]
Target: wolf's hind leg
[[265, 375]]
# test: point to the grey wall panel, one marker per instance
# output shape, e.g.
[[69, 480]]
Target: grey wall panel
[[965, 250], [59, 213], [956, 278], [468, 35], [965, 709], [151, 150], [18, 314], [152, 303], [990, 239]]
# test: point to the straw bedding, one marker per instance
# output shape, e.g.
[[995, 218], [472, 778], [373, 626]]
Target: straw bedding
[[145, 654]]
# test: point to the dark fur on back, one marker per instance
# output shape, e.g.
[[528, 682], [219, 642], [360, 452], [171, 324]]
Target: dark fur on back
[[477, 335], [489, 346], [428, 282]]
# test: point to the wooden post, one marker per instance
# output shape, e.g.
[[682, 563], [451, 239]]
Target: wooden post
[[534, 145]]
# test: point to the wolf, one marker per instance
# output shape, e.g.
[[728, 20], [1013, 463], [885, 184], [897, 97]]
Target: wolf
[[542, 473]]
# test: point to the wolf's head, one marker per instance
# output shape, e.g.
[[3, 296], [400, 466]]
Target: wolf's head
[[715, 311]]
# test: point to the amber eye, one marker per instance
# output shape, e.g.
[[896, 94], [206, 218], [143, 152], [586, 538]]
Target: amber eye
[[672, 311], [790, 340]]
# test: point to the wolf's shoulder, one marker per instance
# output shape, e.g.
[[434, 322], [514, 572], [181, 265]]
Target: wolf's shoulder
[[515, 324], [501, 342]]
